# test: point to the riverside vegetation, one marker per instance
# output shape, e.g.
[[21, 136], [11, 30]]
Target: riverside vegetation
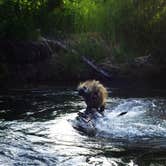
[[126, 38]]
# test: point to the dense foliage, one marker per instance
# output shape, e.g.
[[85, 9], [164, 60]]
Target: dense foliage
[[132, 26], [26, 19], [135, 27]]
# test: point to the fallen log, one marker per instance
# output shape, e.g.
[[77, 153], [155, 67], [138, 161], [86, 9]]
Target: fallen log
[[95, 67], [89, 62]]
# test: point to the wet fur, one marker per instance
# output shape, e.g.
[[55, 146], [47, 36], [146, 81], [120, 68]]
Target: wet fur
[[97, 94]]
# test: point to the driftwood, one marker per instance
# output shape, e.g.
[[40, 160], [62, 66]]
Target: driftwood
[[96, 68]]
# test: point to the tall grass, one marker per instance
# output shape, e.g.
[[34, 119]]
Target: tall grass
[[28, 19], [134, 27]]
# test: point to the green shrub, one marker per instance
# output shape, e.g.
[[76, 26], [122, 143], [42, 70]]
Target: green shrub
[[91, 45], [26, 19], [136, 27]]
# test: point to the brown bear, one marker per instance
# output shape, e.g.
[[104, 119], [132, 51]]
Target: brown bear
[[95, 95]]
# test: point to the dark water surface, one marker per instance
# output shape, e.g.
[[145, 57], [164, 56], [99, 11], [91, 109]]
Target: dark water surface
[[35, 129]]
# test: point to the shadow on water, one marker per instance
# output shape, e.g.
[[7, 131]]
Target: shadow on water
[[39, 104], [34, 130]]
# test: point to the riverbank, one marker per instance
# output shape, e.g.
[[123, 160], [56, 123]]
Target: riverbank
[[50, 62]]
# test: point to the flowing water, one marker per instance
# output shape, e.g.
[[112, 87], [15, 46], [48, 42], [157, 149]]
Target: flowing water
[[36, 129]]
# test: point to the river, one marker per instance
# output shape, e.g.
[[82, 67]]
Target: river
[[36, 129]]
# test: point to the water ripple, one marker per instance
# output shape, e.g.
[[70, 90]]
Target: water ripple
[[35, 129]]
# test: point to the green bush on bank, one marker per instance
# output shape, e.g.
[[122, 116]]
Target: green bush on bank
[[28, 19], [134, 27], [91, 45]]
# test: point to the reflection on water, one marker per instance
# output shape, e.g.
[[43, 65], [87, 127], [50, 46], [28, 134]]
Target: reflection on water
[[35, 130]]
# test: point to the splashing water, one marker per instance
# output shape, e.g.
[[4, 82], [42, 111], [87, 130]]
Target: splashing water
[[137, 121]]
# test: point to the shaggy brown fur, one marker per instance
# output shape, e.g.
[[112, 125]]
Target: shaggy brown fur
[[94, 94]]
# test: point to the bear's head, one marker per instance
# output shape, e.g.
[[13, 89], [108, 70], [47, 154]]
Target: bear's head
[[94, 93]]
